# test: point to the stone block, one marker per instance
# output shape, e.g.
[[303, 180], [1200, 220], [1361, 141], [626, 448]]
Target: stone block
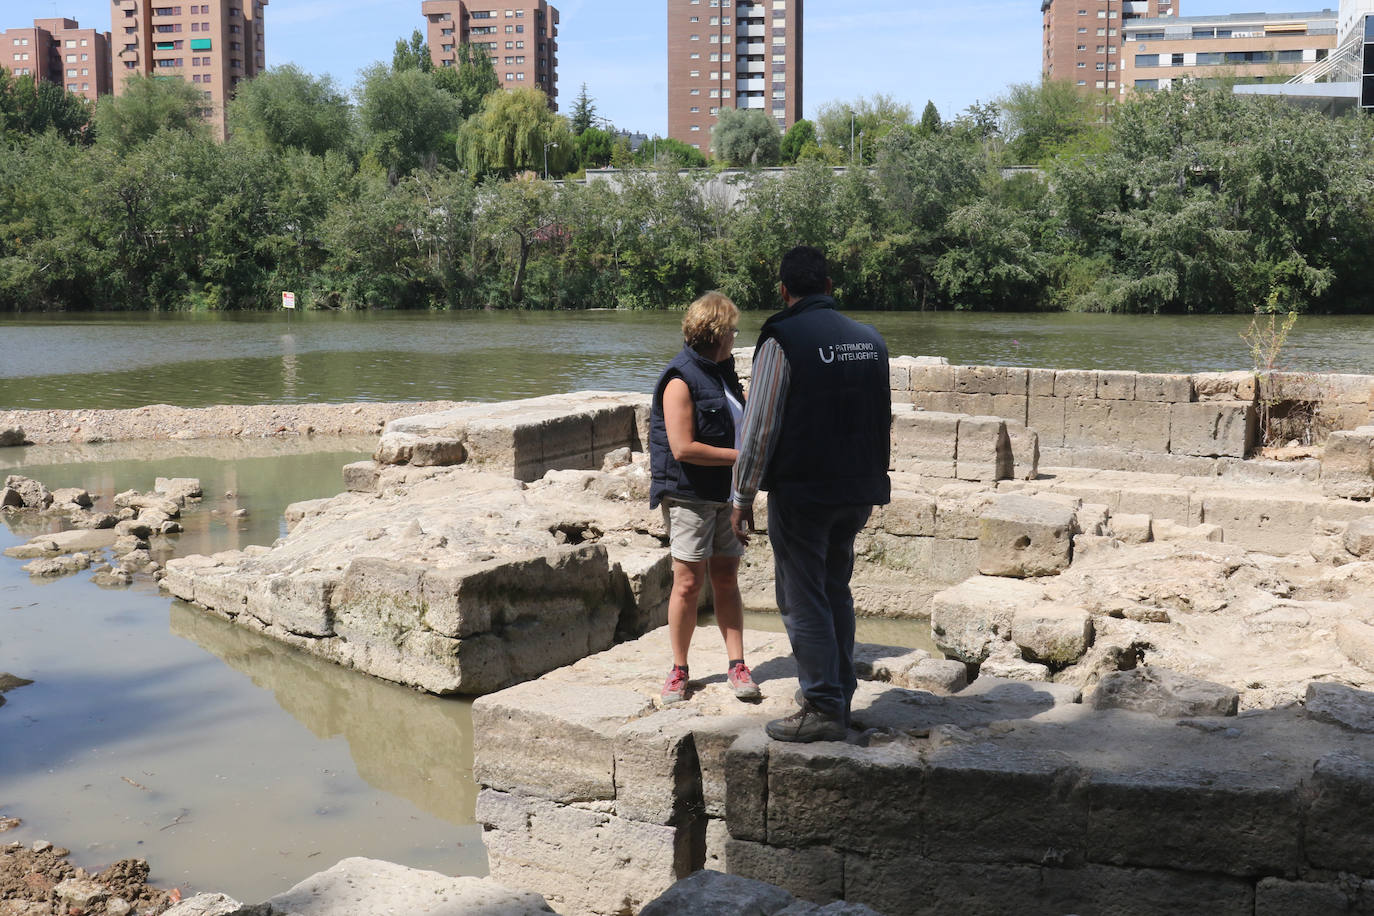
[[1159, 502], [1025, 451], [643, 580], [1340, 832], [984, 449], [713, 737], [1116, 386], [1075, 383], [1138, 426], [899, 373], [1017, 381], [1172, 389], [32, 492], [746, 786], [361, 476], [815, 874], [1130, 528], [966, 618], [1356, 640], [936, 401], [581, 861], [1010, 407], [1164, 693], [923, 887], [1226, 823], [1040, 383], [1278, 897], [871, 797], [1212, 429], [711, 893], [553, 740], [361, 887], [1348, 465], [1163, 529], [1046, 416], [1107, 891], [980, 380], [1340, 705], [912, 669], [1092, 519], [974, 405], [1225, 386], [298, 603], [1053, 635], [925, 442], [908, 515], [656, 769], [1022, 802], [1359, 538], [933, 378], [1023, 537], [1261, 520]]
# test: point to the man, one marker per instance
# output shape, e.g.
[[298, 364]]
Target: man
[[816, 437]]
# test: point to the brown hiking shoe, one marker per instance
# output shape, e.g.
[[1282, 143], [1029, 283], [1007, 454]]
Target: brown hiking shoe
[[805, 725]]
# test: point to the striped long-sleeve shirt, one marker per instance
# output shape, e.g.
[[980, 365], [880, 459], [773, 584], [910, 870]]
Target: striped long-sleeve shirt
[[762, 414]]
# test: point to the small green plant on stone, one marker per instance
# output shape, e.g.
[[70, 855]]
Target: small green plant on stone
[[1266, 337]]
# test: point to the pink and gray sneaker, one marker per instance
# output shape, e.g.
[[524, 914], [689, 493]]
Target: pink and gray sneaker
[[742, 683], [675, 687]]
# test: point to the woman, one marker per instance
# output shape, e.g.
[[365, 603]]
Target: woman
[[697, 411]]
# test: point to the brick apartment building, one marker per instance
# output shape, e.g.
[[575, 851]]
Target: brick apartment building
[[60, 51], [1251, 47], [521, 36], [1082, 39], [727, 54], [213, 45]]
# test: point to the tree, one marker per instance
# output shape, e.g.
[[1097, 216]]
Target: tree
[[287, 108], [408, 121], [583, 116], [30, 107], [798, 136], [1039, 120], [746, 137], [594, 147], [412, 55], [838, 124], [513, 133], [664, 151], [522, 209], [471, 80], [147, 106], [930, 120]]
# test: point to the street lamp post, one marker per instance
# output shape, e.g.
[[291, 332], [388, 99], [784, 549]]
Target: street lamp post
[[554, 144]]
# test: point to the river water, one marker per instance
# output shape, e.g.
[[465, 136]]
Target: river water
[[92, 361], [233, 763]]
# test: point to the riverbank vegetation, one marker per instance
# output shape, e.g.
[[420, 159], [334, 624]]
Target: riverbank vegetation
[[427, 190]]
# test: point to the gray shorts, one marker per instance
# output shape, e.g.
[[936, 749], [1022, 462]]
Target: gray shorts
[[697, 530]]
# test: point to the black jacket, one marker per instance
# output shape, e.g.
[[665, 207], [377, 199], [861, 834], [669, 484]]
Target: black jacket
[[712, 424]]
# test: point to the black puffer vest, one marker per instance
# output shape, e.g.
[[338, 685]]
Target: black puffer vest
[[712, 424], [834, 436]]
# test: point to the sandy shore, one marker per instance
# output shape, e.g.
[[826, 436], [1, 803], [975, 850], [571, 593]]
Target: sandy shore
[[163, 421]]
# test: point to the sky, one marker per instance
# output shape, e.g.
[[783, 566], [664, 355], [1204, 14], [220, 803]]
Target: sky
[[951, 53]]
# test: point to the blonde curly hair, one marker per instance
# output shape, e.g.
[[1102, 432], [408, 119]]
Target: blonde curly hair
[[708, 321]]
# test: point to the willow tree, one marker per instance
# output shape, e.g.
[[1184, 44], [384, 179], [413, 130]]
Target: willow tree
[[514, 132]]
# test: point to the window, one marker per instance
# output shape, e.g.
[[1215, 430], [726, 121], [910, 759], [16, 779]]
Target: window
[[1176, 60], [519, 76], [1147, 60], [71, 42], [510, 77]]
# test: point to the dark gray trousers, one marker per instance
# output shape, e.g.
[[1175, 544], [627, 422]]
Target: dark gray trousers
[[813, 558]]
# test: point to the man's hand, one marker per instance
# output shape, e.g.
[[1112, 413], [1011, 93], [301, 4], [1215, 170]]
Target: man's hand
[[742, 523]]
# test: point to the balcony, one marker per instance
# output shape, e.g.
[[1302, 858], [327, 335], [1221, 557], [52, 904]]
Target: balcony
[[752, 49], [756, 84], [750, 30]]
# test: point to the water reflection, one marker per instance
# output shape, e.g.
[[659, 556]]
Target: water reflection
[[403, 742]]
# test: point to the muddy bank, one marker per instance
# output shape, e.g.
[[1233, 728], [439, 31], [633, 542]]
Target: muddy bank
[[38, 880], [165, 422]]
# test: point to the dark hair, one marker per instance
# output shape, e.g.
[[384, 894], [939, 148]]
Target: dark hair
[[804, 271]]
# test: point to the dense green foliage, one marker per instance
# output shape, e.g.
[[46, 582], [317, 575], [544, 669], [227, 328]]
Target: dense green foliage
[[1187, 201]]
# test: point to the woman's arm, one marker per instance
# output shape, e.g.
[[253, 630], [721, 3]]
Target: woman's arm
[[677, 417]]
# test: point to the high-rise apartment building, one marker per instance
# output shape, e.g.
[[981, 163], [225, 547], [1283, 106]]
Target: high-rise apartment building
[[1082, 39], [214, 45], [727, 54], [521, 36], [59, 51]]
